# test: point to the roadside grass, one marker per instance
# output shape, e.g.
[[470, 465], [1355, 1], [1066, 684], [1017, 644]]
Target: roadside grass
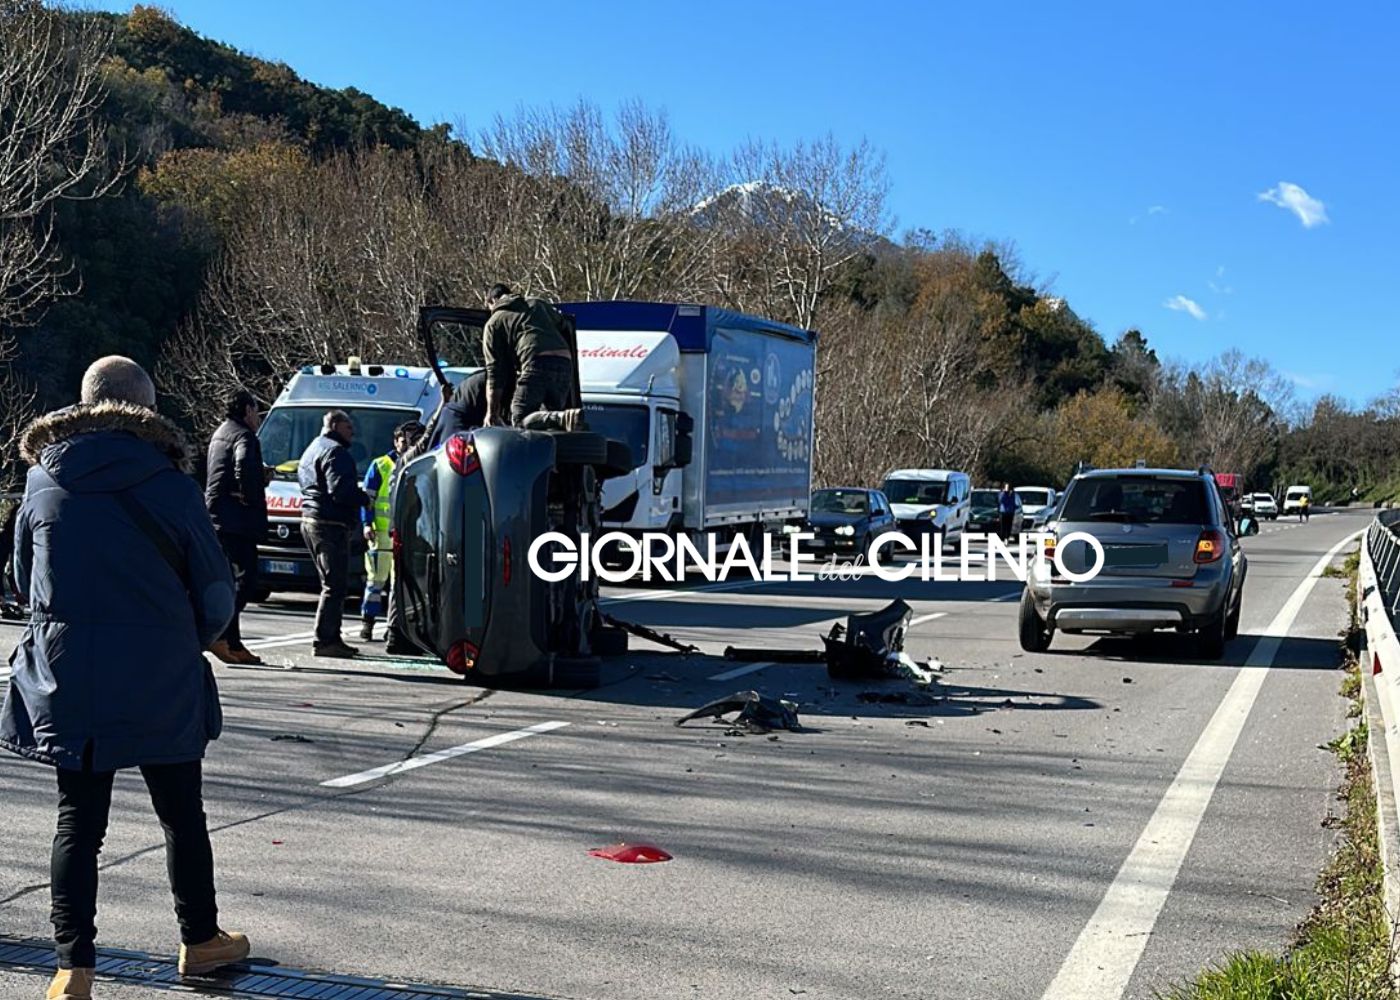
[[1343, 949]]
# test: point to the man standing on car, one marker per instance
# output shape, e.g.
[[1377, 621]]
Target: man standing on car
[[331, 501], [1006, 507], [234, 493], [128, 586], [524, 345], [379, 555]]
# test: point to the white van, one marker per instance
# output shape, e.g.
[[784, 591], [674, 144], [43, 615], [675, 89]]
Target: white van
[[930, 500], [1293, 498]]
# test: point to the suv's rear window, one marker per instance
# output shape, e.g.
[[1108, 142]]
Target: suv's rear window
[[1143, 499]]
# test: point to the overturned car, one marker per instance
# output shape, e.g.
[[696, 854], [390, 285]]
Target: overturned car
[[464, 518]]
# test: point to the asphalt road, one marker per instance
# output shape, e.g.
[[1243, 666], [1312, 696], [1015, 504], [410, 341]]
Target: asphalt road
[[979, 847]]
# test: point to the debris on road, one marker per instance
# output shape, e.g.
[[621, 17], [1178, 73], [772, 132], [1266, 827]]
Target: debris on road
[[651, 635], [631, 854], [290, 738], [757, 713]]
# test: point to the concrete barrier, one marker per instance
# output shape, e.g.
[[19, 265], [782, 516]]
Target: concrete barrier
[[1378, 605]]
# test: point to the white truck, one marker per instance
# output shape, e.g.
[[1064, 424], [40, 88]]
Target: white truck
[[716, 406]]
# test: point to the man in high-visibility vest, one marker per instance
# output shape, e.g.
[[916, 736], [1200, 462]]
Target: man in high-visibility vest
[[379, 556]]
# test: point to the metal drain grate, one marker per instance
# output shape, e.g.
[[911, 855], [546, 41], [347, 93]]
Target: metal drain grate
[[240, 980]]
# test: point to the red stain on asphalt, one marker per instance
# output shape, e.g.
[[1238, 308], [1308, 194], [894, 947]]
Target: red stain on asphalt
[[631, 854]]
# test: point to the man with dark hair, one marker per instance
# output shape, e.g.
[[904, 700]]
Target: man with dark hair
[[331, 500], [379, 554], [524, 345], [128, 586], [234, 493]]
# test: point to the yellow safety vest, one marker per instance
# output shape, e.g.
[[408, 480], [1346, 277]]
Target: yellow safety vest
[[385, 465]]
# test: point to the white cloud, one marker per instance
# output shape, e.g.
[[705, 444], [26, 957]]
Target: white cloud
[[1180, 303], [1316, 382], [1157, 210], [1309, 210]]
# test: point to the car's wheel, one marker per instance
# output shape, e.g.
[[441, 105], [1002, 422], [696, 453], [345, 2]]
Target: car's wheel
[[1035, 633], [1232, 621], [1211, 639], [580, 448], [609, 641]]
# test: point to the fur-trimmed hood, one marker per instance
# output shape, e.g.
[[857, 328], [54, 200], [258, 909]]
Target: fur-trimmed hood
[[101, 447]]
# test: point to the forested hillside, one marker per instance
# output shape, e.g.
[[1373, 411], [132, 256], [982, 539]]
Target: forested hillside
[[236, 221]]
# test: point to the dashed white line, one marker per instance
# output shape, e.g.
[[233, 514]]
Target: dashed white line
[[747, 668], [1104, 957], [927, 618], [423, 760]]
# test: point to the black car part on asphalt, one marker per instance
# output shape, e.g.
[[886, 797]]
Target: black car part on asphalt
[[868, 646], [756, 713]]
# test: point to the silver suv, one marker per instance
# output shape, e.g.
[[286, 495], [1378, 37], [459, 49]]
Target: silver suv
[[1172, 560]]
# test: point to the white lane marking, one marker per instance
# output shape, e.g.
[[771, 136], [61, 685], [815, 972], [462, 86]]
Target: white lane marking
[[664, 595], [748, 668], [4, 673], [927, 618], [1104, 957], [1015, 595], [423, 760]]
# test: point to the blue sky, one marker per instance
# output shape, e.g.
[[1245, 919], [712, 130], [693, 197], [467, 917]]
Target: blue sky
[[1124, 148]]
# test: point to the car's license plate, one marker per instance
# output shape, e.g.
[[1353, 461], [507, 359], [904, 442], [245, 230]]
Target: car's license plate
[[1134, 555], [278, 567]]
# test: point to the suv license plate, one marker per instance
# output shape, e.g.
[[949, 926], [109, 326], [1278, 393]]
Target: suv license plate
[[280, 568]]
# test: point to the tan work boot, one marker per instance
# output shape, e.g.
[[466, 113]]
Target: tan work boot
[[71, 984], [223, 652], [572, 420], [224, 948]]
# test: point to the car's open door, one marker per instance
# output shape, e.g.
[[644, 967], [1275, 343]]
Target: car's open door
[[451, 337]]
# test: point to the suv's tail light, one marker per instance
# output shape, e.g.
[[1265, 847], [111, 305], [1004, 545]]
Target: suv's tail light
[[461, 454], [462, 656], [1210, 546]]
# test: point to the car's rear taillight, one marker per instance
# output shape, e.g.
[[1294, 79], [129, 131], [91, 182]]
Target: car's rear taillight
[[505, 562], [1210, 546], [461, 657], [461, 454]]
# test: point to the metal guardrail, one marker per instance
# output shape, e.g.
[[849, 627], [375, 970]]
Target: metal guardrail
[[1383, 543]]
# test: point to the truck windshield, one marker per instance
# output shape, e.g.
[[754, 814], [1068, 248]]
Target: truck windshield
[[287, 430], [920, 491], [622, 422], [840, 502]]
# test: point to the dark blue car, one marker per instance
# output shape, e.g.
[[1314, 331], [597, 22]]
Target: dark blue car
[[847, 521]]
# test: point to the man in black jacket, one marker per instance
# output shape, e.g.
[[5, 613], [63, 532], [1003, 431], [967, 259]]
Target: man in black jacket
[[331, 500], [233, 492]]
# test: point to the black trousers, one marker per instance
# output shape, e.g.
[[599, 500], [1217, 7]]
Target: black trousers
[[546, 385], [242, 555], [1008, 522], [329, 544], [84, 801]]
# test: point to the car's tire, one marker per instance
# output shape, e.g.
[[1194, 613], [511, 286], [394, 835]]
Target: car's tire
[[582, 672], [1232, 621], [609, 641], [1211, 639], [1035, 633], [580, 448], [617, 459]]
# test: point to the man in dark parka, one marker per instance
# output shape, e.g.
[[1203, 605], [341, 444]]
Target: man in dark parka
[[127, 586]]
